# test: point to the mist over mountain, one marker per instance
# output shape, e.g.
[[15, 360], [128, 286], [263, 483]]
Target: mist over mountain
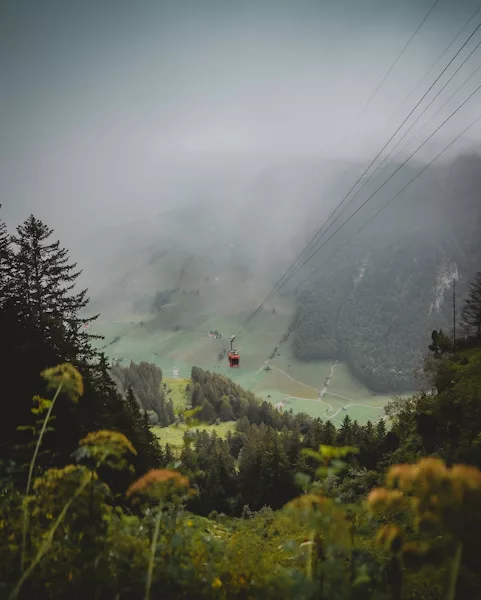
[[373, 304], [376, 302]]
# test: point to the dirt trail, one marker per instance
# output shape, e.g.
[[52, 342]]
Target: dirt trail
[[324, 391], [295, 380], [354, 404]]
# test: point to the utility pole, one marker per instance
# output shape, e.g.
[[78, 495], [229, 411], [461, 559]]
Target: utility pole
[[454, 314]]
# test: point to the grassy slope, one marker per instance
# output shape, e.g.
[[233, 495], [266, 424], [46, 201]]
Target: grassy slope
[[299, 383], [175, 389], [174, 435]]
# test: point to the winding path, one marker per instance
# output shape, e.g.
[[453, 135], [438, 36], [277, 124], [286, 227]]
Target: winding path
[[295, 380], [322, 393]]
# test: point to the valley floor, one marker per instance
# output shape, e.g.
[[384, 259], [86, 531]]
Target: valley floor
[[325, 389]]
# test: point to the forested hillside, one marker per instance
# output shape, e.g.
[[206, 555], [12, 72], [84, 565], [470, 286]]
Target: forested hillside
[[144, 382], [375, 304], [41, 326], [372, 305], [285, 506]]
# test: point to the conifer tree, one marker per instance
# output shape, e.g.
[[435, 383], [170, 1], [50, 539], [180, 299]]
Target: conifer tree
[[441, 343], [368, 433], [6, 258], [169, 454], [250, 467], [207, 413], [226, 413], [44, 290], [275, 476], [345, 436], [329, 434], [472, 309], [380, 430], [132, 402], [43, 327]]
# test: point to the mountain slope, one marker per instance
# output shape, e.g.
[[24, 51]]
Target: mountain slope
[[377, 301], [374, 304]]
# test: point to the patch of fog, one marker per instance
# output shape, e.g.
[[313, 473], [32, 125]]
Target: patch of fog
[[361, 271], [444, 279]]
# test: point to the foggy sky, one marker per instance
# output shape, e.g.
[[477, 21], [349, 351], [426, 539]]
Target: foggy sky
[[114, 110]]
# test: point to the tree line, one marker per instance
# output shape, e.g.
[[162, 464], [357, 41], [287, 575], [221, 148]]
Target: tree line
[[42, 323], [256, 465], [144, 382], [99, 529]]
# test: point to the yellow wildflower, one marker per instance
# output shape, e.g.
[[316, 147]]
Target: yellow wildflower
[[114, 441], [67, 376], [390, 537], [157, 482], [306, 503]]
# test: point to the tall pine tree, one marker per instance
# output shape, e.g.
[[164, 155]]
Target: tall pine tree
[[42, 327], [44, 290], [472, 309], [5, 264]]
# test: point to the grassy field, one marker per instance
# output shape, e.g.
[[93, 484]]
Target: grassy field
[[175, 390], [296, 383], [174, 435]]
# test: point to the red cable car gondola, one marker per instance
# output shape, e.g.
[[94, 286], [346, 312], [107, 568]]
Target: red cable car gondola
[[233, 355]]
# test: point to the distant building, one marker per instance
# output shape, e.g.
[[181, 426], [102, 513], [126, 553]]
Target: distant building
[[280, 405], [175, 372]]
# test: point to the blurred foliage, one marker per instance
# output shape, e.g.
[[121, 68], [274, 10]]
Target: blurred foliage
[[81, 543]]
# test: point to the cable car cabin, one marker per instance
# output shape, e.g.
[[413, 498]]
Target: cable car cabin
[[234, 358]]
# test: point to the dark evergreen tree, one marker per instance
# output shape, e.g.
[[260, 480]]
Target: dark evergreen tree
[[6, 258], [441, 343], [226, 413], [276, 477], [44, 291], [329, 434], [132, 402], [345, 433], [169, 454], [42, 327], [235, 443], [207, 413], [145, 379], [380, 430], [292, 446], [472, 310], [369, 446], [197, 397], [250, 468]]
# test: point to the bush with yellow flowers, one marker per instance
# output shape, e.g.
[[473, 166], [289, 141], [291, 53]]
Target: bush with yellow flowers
[[444, 505], [80, 542]]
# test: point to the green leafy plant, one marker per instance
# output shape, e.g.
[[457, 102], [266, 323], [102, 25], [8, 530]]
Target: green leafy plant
[[444, 507], [102, 446], [160, 486], [61, 378]]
